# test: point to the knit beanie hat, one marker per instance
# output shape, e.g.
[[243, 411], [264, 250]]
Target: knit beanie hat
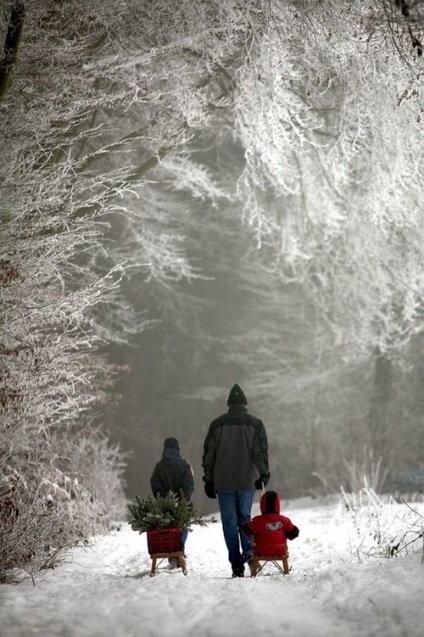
[[236, 396], [171, 443]]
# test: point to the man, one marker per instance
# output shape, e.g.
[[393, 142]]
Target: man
[[173, 473], [235, 463]]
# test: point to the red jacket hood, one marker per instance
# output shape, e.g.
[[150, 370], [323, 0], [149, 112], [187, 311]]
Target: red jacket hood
[[270, 502]]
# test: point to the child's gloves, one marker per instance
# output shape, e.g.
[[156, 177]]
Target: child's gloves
[[262, 481], [292, 535], [210, 490]]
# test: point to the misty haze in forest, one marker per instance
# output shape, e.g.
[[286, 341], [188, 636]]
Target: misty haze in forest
[[193, 195]]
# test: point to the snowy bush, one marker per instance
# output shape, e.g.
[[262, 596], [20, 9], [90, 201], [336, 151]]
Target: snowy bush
[[382, 527], [367, 471], [50, 503]]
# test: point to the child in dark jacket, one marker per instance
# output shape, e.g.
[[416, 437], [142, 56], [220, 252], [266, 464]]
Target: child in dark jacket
[[270, 530], [173, 473]]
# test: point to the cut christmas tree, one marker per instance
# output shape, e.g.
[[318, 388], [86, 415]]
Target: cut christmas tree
[[170, 511]]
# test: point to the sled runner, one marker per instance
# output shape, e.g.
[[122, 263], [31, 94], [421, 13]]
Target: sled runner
[[165, 544], [259, 561]]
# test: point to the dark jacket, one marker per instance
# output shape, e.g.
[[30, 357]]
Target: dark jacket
[[235, 450], [270, 530], [172, 473]]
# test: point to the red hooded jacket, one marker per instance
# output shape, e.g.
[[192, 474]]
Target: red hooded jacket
[[270, 530]]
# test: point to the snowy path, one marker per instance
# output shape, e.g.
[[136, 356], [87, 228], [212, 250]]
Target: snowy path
[[105, 590]]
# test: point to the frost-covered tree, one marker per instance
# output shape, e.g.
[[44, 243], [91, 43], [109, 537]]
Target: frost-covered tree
[[56, 276], [333, 187], [329, 109]]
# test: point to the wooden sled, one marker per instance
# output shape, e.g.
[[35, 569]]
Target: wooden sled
[[157, 559], [259, 561], [164, 544]]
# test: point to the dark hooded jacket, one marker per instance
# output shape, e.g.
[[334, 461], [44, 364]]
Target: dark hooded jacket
[[270, 530], [235, 450], [172, 472]]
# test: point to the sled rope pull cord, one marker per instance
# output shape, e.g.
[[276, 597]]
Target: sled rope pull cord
[[260, 493]]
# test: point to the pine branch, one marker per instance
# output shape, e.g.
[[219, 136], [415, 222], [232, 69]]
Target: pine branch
[[169, 511]]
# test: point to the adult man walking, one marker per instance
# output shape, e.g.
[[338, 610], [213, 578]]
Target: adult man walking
[[235, 463]]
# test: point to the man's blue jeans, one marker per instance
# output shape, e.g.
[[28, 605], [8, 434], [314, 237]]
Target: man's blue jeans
[[236, 507]]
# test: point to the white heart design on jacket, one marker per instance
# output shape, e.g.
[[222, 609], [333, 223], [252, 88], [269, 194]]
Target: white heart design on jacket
[[273, 526]]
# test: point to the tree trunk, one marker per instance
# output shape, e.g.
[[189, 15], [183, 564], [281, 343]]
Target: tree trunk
[[11, 45]]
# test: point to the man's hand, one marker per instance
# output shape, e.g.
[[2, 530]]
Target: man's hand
[[262, 481], [210, 490]]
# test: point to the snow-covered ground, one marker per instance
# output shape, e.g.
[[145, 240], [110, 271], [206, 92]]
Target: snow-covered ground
[[335, 587]]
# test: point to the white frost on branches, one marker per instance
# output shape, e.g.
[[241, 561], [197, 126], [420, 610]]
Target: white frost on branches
[[329, 113]]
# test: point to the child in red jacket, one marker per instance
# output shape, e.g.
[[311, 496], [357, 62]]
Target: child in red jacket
[[270, 530]]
